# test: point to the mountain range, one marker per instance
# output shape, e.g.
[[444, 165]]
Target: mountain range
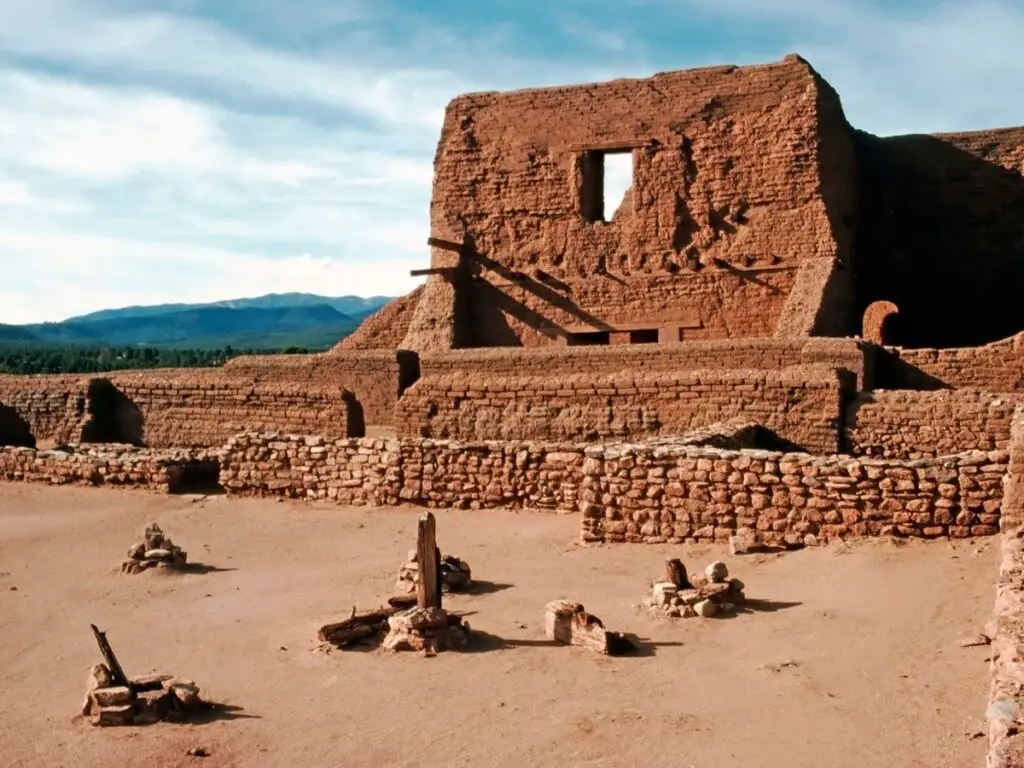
[[274, 321]]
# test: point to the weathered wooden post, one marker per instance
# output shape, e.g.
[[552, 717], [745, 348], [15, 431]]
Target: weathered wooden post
[[117, 675], [428, 590], [675, 572]]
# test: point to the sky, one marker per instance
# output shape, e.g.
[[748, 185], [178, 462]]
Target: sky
[[195, 150]]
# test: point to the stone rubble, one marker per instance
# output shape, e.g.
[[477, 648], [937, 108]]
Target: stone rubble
[[710, 594], [149, 700], [456, 575], [155, 550]]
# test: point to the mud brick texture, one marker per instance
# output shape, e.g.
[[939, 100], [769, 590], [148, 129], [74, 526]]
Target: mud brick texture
[[1006, 693], [801, 406], [739, 175], [911, 425], [375, 377], [995, 367], [658, 494]]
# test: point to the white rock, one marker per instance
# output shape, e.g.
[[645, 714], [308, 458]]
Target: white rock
[[717, 572], [705, 609]]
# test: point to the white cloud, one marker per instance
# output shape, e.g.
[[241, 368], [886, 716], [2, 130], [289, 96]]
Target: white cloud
[[152, 155]]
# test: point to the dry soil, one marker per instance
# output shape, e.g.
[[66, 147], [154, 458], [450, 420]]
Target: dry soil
[[849, 656]]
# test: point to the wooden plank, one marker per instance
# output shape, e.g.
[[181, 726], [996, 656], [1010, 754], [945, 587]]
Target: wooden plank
[[430, 271], [612, 145], [675, 572], [446, 245], [117, 675], [428, 588]]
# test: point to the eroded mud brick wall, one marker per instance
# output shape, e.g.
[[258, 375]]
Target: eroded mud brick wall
[[385, 329], [995, 367], [942, 235], [912, 425], [643, 494], [800, 405], [375, 377], [45, 406], [739, 175]]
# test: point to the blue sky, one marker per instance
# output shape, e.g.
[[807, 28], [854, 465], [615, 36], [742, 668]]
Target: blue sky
[[194, 150]]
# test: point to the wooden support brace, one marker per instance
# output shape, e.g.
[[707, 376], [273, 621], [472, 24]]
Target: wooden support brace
[[117, 675], [430, 271], [446, 245]]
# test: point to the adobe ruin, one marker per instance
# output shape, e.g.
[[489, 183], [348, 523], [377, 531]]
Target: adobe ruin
[[789, 331]]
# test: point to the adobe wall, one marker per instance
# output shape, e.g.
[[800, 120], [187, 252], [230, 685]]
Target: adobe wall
[[942, 234], [375, 377], [910, 425], [995, 367], [735, 169], [639, 493], [744, 354], [801, 405], [1006, 694], [166, 408], [384, 329]]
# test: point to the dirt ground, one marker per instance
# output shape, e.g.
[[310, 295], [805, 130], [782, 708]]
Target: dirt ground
[[849, 659]]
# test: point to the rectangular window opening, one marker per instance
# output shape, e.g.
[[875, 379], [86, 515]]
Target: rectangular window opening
[[644, 336], [606, 183], [589, 339]]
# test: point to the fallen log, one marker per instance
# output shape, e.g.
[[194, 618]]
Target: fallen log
[[356, 628]]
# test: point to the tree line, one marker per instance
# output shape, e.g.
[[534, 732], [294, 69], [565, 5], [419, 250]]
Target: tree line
[[75, 359]]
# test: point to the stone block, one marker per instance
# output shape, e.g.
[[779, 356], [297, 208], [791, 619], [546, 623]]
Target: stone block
[[122, 714]]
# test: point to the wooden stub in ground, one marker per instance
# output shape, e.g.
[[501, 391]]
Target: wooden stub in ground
[[117, 675], [568, 622], [428, 590], [675, 572]]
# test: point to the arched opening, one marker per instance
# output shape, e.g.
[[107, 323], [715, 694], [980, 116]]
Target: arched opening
[[113, 417], [14, 430]]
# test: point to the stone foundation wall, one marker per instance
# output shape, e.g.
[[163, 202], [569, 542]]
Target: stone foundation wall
[[912, 425], [103, 465], [653, 494], [801, 406]]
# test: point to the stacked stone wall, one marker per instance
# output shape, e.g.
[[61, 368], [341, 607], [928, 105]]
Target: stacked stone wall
[[655, 494]]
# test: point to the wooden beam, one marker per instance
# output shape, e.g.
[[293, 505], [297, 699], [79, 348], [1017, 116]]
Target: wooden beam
[[611, 145], [447, 245], [430, 271], [428, 588], [117, 675]]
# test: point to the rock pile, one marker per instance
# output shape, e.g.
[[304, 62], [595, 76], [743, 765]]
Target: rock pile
[[154, 550], [705, 595], [425, 629], [456, 575], [145, 700]]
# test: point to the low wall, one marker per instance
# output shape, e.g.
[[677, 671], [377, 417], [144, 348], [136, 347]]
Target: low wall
[[801, 406], [642, 493], [741, 354], [1006, 694], [105, 465], [381, 472], [995, 367], [172, 407], [376, 377], [912, 425]]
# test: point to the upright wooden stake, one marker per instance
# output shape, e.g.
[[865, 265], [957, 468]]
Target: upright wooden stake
[[675, 572], [428, 589], [117, 675]]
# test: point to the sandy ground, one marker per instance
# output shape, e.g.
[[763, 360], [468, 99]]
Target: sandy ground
[[852, 660]]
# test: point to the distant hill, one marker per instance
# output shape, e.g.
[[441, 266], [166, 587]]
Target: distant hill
[[274, 321]]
